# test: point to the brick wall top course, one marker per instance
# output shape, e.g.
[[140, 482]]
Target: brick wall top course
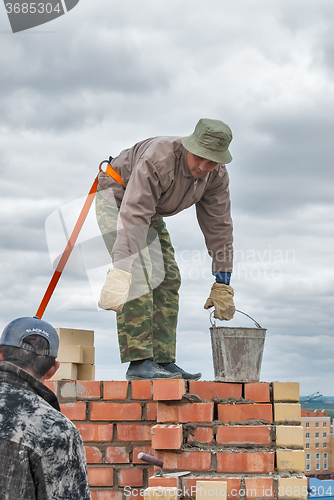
[[167, 390]]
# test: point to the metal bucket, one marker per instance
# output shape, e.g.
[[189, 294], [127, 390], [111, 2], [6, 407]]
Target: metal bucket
[[237, 353]]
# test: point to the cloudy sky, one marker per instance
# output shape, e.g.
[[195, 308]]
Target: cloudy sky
[[108, 74]]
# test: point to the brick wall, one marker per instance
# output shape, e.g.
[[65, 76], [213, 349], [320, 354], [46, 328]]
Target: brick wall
[[248, 435]]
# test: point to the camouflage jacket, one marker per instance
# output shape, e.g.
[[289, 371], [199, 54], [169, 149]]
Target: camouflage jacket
[[41, 452], [160, 184]]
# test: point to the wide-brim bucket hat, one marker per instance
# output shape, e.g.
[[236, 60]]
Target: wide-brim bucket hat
[[210, 140]]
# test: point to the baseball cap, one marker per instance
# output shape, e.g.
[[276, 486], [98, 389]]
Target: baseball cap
[[18, 329], [210, 140]]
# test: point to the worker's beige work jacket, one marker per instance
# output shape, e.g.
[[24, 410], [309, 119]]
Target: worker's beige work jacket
[[160, 184]]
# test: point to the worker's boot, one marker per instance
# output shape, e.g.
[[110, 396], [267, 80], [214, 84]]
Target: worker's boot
[[173, 368], [147, 369]]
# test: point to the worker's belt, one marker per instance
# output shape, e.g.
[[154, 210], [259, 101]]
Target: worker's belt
[[114, 174]]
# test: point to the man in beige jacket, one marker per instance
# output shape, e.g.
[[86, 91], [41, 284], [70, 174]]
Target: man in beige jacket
[[157, 178]]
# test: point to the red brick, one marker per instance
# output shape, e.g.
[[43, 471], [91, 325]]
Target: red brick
[[134, 494], [201, 434], [259, 487], [88, 389], [95, 432], [93, 455], [166, 390], [151, 411], [133, 433], [187, 460], [115, 390], [74, 411], [52, 385], [130, 477], [147, 449], [107, 495], [208, 390], [258, 392], [100, 476], [164, 482], [185, 413], [237, 434], [115, 411], [166, 437], [117, 455], [233, 486], [141, 389], [244, 462], [240, 413]]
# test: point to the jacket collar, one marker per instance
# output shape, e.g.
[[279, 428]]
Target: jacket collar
[[16, 377]]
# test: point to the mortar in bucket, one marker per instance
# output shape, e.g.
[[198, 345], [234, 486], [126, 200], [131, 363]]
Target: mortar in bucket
[[237, 352]]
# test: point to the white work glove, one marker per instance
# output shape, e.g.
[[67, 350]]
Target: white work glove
[[221, 297], [115, 291]]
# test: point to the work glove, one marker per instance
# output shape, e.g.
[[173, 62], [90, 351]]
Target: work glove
[[221, 297], [115, 291]]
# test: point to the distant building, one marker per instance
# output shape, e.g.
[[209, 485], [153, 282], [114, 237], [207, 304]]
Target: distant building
[[318, 444]]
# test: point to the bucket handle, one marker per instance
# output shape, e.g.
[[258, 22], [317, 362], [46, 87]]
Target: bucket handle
[[213, 323]]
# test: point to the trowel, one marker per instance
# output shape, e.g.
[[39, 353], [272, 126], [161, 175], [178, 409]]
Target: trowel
[[159, 463]]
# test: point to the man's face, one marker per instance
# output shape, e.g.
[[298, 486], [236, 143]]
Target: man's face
[[198, 166]]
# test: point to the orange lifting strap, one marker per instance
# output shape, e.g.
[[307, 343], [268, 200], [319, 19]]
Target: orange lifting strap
[[74, 236], [114, 174]]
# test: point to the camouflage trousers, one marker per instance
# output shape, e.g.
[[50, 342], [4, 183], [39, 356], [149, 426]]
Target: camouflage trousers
[[147, 325]]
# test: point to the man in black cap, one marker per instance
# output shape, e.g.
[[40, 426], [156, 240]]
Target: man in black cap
[[41, 451]]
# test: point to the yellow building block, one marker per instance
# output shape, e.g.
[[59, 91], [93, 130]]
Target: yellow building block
[[291, 460], [88, 355], [292, 487], [86, 372], [71, 336], [66, 371], [211, 489], [287, 412], [289, 435], [160, 492], [286, 391], [70, 354]]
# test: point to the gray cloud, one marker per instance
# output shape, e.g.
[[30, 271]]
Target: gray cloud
[[112, 74]]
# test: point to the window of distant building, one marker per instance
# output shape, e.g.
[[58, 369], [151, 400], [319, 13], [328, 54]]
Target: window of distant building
[[324, 434], [317, 414], [317, 424], [308, 467], [308, 446], [324, 424], [325, 445], [325, 456], [317, 445], [307, 435], [317, 467], [326, 466], [307, 424], [308, 456], [317, 456], [317, 434]]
